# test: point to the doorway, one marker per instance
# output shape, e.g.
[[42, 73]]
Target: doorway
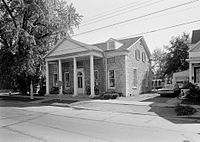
[[80, 81]]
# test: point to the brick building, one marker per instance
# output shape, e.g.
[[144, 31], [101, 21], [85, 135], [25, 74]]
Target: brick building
[[115, 65]]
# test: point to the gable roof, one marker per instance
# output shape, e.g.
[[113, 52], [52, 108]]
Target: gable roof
[[195, 46], [126, 43], [68, 46], [195, 36]]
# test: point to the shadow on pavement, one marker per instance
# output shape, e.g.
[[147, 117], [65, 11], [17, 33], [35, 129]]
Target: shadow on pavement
[[167, 112]]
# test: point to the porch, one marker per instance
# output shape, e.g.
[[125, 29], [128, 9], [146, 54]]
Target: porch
[[72, 67]]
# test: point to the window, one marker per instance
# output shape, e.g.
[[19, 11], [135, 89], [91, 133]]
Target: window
[[67, 84], [137, 54], [143, 57], [146, 78], [111, 81], [111, 60], [111, 45], [55, 79], [197, 75], [96, 77], [134, 78]]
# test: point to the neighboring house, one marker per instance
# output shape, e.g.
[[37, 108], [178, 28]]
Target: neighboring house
[[116, 65], [180, 77], [194, 58]]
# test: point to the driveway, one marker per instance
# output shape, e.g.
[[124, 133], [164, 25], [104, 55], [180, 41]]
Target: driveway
[[25, 122]]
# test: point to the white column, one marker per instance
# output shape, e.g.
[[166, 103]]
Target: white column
[[60, 75], [106, 73], [47, 78], [92, 76], [190, 72], [75, 78]]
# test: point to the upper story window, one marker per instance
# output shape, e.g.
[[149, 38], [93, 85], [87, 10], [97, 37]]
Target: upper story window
[[137, 54], [143, 57], [111, 45]]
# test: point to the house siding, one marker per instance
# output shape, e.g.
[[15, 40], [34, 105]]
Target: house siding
[[119, 67], [144, 74]]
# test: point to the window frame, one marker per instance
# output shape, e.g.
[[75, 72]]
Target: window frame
[[135, 78], [111, 87], [143, 57], [137, 54], [67, 87]]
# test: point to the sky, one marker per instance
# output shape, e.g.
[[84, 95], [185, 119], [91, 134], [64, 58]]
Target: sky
[[100, 13]]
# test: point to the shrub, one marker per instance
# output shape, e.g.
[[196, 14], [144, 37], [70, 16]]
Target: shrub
[[96, 90], [110, 95], [185, 110], [194, 93], [187, 85]]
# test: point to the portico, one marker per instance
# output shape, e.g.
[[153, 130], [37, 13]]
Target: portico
[[194, 63], [64, 65]]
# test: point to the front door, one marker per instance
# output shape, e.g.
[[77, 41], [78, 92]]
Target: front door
[[80, 79]]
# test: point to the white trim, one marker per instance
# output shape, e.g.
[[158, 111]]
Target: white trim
[[47, 77], [113, 78], [60, 75], [75, 56], [134, 43], [92, 76], [106, 72], [75, 77], [115, 53]]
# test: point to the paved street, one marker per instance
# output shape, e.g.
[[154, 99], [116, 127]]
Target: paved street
[[25, 122]]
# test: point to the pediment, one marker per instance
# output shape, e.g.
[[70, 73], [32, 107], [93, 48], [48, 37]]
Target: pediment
[[195, 48]]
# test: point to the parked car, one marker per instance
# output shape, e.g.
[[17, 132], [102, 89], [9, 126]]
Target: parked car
[[169, 89]]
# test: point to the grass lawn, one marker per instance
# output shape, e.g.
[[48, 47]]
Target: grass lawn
[[59, 101], [22, 99]]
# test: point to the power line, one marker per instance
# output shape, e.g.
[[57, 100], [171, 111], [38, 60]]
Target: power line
[[110, 11], [160, 29], [139, 17], [121, 13], [120, 9]]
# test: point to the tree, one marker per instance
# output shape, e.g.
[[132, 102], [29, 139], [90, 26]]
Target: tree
[[158, 62], [26, 29], [177, 55]]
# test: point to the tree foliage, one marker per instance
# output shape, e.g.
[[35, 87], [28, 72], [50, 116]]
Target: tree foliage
[[158, 62], [172, 58], [26, 29], [177, 54]]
